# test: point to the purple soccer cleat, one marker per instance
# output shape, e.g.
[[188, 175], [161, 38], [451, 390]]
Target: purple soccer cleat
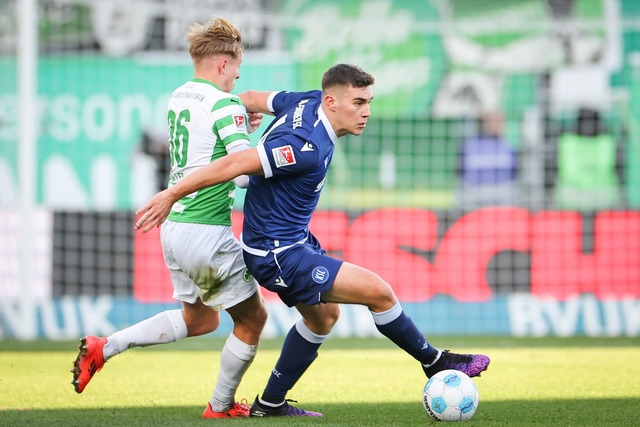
[[470, 364], [285, 410]]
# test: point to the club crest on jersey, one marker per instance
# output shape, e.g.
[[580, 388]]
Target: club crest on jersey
[[283, 156], [240, 122], [320, 275]]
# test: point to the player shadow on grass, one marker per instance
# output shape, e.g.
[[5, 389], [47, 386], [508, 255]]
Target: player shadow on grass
[[555, 412]]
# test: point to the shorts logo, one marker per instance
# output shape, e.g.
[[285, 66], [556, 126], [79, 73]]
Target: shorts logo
[[280, 282], [320, 274], [246, 276], [283, 156]]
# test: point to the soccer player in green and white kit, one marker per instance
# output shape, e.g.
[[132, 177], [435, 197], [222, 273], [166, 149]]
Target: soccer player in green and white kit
[[205, 260]]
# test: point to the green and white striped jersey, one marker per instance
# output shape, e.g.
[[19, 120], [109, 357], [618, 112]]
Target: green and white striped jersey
[[204, 124]]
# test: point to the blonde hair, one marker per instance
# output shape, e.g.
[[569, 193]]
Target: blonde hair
[[216, 37]]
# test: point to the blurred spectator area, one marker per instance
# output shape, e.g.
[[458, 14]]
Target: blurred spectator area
[[120, 28], [586, 163], [487, 166], [532, 63]]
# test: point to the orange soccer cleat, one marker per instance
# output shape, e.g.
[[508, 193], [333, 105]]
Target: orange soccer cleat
[[238, 410], [89, 361]]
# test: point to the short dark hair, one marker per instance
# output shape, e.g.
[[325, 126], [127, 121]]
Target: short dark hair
[[346, 75]]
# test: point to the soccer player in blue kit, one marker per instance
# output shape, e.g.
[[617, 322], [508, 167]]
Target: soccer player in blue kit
[[288, 170]]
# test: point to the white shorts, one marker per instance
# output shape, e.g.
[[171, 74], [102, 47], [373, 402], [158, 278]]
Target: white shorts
[[206, 262]]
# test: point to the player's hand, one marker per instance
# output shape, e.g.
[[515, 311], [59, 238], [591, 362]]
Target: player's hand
[[255, 120], [154, 212]]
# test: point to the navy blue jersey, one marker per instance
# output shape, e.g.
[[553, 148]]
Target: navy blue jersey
[[295, 152]]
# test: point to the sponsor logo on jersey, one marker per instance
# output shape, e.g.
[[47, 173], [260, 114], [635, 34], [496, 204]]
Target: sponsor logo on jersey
[[283, 156], [240, 122], [320, 185], [320, 274], [297, 114], [307, 147]]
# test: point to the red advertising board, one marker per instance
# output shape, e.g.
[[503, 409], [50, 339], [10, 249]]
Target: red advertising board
[[393, 243]]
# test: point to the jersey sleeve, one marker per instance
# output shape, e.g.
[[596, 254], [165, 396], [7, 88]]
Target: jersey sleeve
[[280, 101], [286, 156], [230, 123]]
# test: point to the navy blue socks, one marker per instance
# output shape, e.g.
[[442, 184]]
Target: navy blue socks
[[299, 350], [399, 328]]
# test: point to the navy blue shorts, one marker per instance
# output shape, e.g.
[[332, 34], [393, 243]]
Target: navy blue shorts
[[298, 274]]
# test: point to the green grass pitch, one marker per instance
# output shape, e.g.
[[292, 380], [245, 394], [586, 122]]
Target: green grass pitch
[[360, 382]]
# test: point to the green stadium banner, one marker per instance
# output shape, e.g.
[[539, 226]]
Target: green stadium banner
[[405, 58], [92, 113], [633, 123]]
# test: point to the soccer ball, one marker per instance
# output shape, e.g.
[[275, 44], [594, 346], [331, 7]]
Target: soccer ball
[[450, 395]]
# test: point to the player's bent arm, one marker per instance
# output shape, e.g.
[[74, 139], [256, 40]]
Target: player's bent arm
[[255, 120], [246, 162], [255, 101], [241, 181]]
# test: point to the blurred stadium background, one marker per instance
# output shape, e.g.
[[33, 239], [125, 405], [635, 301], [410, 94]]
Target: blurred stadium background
[[496, 187]]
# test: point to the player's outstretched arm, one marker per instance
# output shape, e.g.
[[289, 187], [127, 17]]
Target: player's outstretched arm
[[255, 101], [156, 210]]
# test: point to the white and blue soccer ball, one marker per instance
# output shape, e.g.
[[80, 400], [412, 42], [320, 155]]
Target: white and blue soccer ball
[[450, 395]]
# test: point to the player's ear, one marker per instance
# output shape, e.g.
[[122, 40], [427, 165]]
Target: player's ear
[[330, 100]]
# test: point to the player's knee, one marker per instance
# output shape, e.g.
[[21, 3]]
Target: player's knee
[[202, 325], [258, 315], [200, 320], [329, 318], [381, 297], [261, 317], [249, 322], [323, 321], [332, 316]]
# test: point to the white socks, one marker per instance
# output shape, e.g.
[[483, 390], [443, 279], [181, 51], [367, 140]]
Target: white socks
[[386, 317], [169, 326], [235, 359], [162, 328], [308, 334]]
